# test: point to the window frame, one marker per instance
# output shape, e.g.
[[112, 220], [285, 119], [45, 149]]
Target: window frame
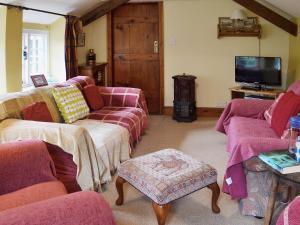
[[47, 55]]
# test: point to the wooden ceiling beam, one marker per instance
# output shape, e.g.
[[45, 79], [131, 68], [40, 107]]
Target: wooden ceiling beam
[[270, 15], [101, 10]]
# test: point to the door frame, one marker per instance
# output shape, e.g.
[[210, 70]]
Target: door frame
[[161, 51]]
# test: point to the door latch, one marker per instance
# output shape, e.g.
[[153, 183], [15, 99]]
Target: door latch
[[155, 46]]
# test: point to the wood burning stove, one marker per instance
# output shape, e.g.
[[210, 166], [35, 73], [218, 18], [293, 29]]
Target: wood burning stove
[[184, 98]]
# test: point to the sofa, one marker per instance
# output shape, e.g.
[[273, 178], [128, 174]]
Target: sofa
[[30, 192], [97, 144], [290, 215], [248, 132]]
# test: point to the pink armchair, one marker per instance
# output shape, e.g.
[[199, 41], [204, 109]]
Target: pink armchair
[[31, 194]]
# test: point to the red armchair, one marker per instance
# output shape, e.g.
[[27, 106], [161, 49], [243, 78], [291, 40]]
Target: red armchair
[[31, 194]]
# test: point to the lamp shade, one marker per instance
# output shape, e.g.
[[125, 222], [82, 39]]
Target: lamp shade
[[238, 15]]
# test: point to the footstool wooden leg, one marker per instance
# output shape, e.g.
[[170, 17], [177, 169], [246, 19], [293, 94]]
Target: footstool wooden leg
[[119, 185], [161, 212], [215, 196]]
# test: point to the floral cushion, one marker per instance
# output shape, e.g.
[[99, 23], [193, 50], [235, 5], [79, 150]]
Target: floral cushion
[[71, 103], [167, 175]]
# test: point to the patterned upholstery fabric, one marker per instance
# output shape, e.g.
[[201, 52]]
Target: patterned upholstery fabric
[[47, 96], [123, 97], [122, 106], [79, 81], [167, 175], [133, 119], [12, 104], [71, 103], [113, 96]]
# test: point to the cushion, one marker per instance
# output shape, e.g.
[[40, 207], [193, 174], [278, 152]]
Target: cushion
[[93, 97], [71, 103], [287, 106], [167, 175], [34, 193], [37, 111], [269, 112], [295, 87]]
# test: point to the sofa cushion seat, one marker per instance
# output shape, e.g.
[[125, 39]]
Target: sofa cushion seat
[[248, 133], [133, 119], [34, 193]]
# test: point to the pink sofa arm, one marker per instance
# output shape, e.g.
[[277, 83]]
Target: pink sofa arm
[[123, 97], [251, 108], [80, 208], [290, 215], [24, 163]]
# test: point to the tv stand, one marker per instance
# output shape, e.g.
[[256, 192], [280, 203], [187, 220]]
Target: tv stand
[[242, 92], [251, 88]]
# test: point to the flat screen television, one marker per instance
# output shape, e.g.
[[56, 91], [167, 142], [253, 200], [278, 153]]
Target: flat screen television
[[258, 70]]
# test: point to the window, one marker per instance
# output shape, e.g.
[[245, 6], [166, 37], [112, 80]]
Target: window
[[35, 55]]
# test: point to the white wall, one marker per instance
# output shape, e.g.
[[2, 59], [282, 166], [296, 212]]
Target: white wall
[[57, 49], [2, 50], [96, 38], [198, 51], [193, 24]]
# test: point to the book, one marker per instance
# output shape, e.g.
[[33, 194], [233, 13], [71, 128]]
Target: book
[[281, 161]]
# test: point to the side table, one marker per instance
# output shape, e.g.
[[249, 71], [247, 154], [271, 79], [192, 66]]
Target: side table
[[278, 177]]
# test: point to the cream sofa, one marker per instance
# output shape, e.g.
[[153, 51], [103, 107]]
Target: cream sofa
[[97, 148]]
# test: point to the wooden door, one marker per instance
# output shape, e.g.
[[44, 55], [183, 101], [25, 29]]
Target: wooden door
[[135, 48]]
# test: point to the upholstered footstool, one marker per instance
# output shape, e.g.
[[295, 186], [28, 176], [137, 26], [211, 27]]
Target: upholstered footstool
[[165, 176]]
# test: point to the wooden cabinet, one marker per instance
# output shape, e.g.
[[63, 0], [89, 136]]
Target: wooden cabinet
[[241, 92], [95, 71], [184, 98]]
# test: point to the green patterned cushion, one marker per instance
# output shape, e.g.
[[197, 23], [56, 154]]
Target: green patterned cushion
[[71, 103]]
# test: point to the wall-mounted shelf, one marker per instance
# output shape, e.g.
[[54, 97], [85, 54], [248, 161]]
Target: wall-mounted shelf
[[244, 28]]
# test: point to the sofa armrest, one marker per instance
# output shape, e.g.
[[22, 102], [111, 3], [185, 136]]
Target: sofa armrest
[[73, 139], [290, 214], [73, 209], [123, 97], [251, 108], [24, 163]]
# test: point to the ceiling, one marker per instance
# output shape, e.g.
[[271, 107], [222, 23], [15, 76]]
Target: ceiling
[[291, 7], [74, 7], [79, 7]]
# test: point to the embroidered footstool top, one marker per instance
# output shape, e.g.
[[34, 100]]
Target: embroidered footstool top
[[167, 175]]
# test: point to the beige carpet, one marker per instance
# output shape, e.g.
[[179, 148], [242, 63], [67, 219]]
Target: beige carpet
[[200, 140]]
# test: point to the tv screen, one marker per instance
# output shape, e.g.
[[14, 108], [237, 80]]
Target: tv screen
[[258, 70]]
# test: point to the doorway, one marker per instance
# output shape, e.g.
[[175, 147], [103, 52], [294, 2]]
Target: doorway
[[136, 50]]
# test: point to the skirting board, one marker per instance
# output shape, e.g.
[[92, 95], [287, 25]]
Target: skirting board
[[201, 111]]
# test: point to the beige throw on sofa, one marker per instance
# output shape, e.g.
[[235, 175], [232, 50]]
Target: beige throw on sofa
[[96, 147]]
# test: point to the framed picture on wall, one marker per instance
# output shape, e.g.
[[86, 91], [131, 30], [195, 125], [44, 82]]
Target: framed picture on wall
[[80, 40], [39, 80]]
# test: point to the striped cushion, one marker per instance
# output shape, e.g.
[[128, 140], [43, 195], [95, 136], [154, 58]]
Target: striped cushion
[[71, 103]]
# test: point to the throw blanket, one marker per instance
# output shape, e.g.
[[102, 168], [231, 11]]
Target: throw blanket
[[133, 119], [123, 97], [91, 170], [111, 142], [234, 179], [290, 215]]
